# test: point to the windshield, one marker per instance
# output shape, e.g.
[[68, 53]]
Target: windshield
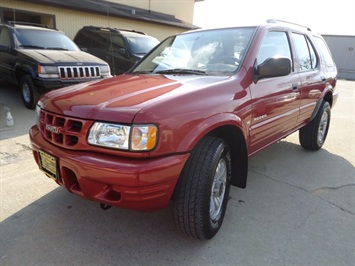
[[141, 45], [211, 52], [43, 39]]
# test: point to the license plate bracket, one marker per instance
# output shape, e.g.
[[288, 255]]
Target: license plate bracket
[[48, 164]]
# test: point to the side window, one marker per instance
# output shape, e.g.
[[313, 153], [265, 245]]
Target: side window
[[324, 51], [312, 54], [275, 44], [5, 37], [117, 42], [83, 40], [101, 40], [306, 57]]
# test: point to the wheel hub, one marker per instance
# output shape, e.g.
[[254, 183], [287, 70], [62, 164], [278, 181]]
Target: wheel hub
[[26, 92], [218, 190], [322, 130]]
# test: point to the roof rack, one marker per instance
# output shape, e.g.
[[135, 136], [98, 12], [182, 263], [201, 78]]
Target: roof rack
[[112, 29], [28, 24], [287, 22]]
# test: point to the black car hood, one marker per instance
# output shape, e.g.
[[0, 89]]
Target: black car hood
[[55, 56]]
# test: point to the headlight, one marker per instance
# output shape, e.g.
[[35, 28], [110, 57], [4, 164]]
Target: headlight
[[109, 135], [135, 138], [37, 114], [105, 71], [47, 71]]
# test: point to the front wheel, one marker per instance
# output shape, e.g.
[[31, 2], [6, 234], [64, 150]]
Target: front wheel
[[30, 95], [201, 194], [313, 135]]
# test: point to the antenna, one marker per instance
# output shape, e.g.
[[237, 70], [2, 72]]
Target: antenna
[[111, 46]]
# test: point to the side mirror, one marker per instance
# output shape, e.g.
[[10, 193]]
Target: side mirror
[[272, 67], [123, 51]]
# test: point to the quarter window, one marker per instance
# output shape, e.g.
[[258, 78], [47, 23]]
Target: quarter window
[[306, 56], [325, 53]]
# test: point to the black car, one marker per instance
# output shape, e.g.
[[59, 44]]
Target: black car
[[120, 48], [40, 59]]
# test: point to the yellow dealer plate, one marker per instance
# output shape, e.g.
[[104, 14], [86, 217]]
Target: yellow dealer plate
[[48, 164]]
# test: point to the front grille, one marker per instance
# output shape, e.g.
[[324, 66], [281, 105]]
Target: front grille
[[79, 72], [63, 131]]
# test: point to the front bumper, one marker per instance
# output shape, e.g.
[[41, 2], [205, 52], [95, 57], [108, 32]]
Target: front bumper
[[46, 85], [139, 184], [335, 97]]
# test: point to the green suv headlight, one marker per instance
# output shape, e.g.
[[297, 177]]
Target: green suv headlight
[[135, 138], [47, 71], [105, 71]]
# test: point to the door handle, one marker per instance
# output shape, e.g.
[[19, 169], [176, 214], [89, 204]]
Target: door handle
[[323, 78], [295, 86]]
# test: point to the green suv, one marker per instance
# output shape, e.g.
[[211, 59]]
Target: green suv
[[40, 59]]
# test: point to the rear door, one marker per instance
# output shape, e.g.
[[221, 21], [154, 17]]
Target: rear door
[[275, 101], [313, 81]]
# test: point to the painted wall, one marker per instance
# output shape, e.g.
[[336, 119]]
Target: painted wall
[[70, 21], [181, 9], [342, 48]]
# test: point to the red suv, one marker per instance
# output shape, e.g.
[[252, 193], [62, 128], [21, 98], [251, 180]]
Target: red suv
[[181, 125]]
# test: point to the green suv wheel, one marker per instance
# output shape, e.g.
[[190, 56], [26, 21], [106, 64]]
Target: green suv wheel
[[30, 96]]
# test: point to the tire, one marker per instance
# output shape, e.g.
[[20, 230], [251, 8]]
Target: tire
[[201, 194], [29, 93], [313, 135]]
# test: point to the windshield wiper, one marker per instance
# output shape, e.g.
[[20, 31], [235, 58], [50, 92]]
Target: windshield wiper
[[57, 48], [142, 72], [181, 71], [31, 46]]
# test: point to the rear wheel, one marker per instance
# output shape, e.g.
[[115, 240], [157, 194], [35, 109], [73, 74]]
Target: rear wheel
[[201, 194], [30, 95], [313, 135]]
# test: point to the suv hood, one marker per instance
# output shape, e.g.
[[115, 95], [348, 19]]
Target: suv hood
[[120, 98], [55, 56]]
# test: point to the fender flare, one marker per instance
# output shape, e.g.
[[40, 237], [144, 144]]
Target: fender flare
[[208, 125], [239, 142], [327, 96]]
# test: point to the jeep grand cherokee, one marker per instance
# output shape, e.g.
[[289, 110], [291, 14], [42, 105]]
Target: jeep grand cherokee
[[40, 59], [181, 125]]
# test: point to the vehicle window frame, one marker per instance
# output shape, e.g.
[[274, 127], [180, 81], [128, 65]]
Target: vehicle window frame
[[310, 47], [289, 44], [324, 52]]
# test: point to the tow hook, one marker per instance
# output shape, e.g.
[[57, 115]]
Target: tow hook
[[105, 206]]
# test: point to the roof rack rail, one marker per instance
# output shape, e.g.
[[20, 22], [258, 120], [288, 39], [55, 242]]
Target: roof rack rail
[[287, 22], [28, 24], [135, 31], [115, 29]]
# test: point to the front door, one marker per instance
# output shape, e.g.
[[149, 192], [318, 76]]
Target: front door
[[275, 101]]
